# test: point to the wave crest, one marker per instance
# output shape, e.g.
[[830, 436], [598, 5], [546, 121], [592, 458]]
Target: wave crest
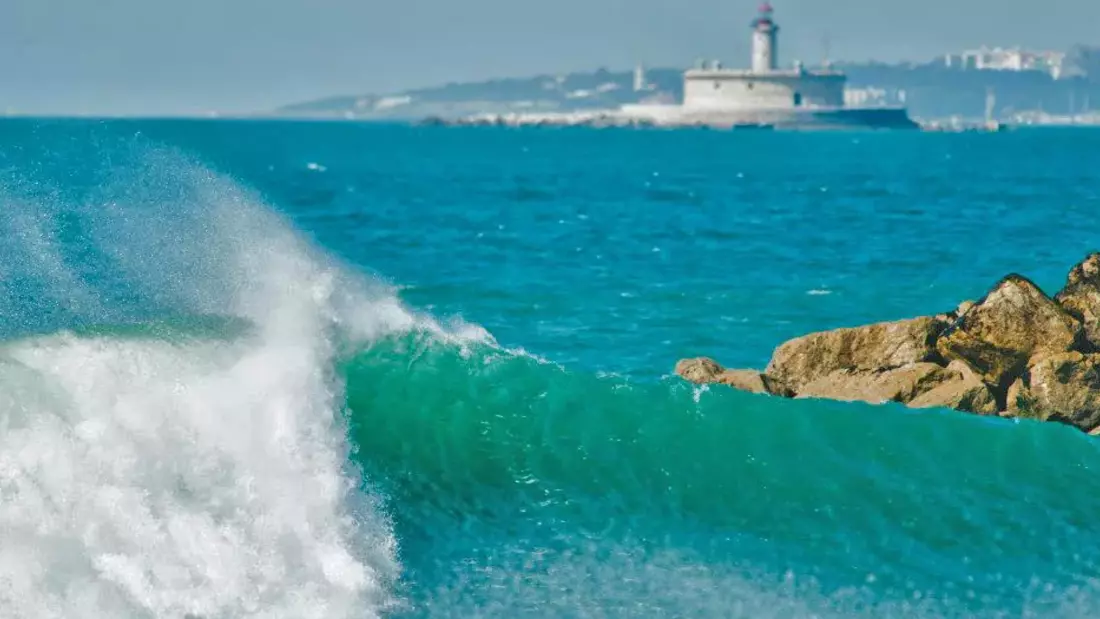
[[205, 474]]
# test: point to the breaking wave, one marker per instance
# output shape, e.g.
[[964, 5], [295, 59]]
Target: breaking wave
[[172, 439]]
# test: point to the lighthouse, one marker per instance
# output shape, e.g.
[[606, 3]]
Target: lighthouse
[[765, 32], [767, 95]]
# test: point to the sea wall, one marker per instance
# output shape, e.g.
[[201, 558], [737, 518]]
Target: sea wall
[[741, 90], [677, 116]]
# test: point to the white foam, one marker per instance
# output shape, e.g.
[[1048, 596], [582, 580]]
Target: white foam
[[148, 478]]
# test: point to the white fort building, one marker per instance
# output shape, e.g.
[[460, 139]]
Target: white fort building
[[768, 94]]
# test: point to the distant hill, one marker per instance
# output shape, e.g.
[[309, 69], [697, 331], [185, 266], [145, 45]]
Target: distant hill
[[599, 89], [930, 90]]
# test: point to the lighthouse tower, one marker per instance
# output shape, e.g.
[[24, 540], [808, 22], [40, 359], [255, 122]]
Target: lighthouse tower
[[765, 33]]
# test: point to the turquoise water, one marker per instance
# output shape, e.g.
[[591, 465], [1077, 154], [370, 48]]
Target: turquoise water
[[350, 370]]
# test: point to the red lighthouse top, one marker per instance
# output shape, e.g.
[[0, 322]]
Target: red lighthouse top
[[764, 16]]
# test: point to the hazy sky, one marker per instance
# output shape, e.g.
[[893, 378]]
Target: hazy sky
[[185, 56]]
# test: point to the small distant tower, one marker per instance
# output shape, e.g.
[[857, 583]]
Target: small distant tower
[[765, 33], [639, 78]]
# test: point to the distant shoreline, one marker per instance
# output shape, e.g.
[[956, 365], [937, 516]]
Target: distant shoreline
[[928, 125]]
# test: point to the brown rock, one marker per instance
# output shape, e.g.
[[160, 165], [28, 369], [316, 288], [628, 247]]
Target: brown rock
[[897, 385], [754, 382], [870, 349], [963, 391], [702, 371], [743, 380], [1016, 353], [699, 371], [1065, 387], [1081, 297], [957, 313], [1018, 400], [1013, 323]]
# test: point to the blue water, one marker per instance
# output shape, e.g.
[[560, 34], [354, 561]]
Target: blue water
[[339, 369]]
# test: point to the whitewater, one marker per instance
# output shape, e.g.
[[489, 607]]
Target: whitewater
[[331, 370], [164, 471]]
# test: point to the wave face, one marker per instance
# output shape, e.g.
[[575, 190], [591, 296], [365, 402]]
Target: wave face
[[211, 408], [595, 496]]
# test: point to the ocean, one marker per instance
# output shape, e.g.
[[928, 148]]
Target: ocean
[[348, 370]]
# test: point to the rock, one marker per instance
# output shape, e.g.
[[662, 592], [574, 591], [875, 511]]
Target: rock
[[963, 308], [1015, 353], [860, 350], [954, 315], [896, 385], [703, 370], [699, 371], [963, 391], [1064, 387], [1081, 297], [1018, 399], [776, 386], [743, 380], [1012, 324]]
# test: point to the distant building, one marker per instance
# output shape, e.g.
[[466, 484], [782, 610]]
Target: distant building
[[387, 103], [873, 96], [769, 94], [1008, 59], [765, 41], [765, 85], [640, 82]]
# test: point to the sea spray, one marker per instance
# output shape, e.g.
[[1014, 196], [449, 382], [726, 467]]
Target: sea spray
[[193, 476]]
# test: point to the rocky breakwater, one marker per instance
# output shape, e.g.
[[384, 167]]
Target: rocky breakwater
[[1016, 353], [596, 119]]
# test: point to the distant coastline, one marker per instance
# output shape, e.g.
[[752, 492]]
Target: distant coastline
[[932, 92], [593, 120]]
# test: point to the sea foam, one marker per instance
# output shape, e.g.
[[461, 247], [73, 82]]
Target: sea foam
[[191, 476]]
